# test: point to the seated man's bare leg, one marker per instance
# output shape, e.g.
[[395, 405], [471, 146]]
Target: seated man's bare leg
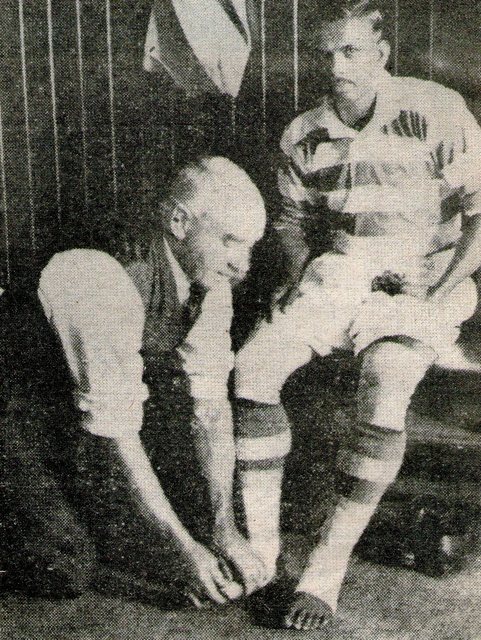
[[391, 370], [263, 435], [260, 472]]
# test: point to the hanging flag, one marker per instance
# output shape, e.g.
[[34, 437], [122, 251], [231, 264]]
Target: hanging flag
[[204, 45]]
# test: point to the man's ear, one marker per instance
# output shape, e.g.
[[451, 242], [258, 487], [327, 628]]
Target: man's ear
[[179, 222], [384, 52]]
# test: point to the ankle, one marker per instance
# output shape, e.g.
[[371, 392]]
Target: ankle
[[225, 531]]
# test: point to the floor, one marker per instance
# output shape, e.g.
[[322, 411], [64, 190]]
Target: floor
[[377, 602]]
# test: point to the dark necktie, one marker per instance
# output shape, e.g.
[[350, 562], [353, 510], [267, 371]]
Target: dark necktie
[[234, 18], [193, 305]]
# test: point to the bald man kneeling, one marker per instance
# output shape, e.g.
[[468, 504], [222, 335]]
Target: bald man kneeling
[[130, 333]]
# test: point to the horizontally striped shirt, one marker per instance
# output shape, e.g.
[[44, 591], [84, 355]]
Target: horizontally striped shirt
[[399, 185]]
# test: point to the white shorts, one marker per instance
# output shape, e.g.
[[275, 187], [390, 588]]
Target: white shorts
[[336, 308]]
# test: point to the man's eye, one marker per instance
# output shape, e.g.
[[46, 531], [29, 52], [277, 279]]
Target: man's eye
[[229, 240], [349, 51]]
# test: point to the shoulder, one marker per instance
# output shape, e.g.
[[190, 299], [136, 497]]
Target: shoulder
[[426, 96], [299, 130], [82, 273]]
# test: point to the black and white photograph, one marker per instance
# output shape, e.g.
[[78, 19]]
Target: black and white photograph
[[240, 320]]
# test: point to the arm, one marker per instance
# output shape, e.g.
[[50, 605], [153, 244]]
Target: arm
[[207, 360], [289, 225], [214, 444], [98, 316], [466, 259], [460, 158], [199, 569]]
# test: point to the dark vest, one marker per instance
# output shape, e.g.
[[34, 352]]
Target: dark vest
[[32, 364], [166, 321]]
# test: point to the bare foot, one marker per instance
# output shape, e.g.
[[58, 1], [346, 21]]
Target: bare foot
[[245, 562], [306, 612]]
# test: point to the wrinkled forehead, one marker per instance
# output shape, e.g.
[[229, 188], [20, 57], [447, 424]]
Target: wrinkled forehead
[[358, 32]]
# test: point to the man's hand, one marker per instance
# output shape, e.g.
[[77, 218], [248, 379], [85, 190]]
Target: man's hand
[[212, 431], [199, 572], [245, 562], [206, 577]]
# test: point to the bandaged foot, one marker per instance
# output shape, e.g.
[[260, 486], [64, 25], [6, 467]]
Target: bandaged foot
[[261, 491], [263, 440], [246, 564]]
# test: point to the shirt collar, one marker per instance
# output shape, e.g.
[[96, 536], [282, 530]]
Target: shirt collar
[[182, 283], [383, 112]]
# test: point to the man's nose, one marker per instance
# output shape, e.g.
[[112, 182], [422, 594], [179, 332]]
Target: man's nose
[[338, 64], [239, 265]]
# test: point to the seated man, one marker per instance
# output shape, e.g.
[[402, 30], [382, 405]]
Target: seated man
[[125, 333], [381, 183]]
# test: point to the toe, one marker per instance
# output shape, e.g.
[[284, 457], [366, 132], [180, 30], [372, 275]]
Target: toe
[[316, 622], [319, 622], [308, 612], [291, 618], [308, 623], [299, 620]]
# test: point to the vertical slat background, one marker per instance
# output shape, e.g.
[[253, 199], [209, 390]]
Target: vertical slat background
[[78, 147], [15, 150], [5, 220], [53, 95]]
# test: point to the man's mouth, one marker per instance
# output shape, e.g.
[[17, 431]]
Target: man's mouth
[[233, 276], [342, 82]]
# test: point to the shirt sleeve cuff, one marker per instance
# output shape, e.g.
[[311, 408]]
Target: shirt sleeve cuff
[[204, 387], [114, 424], [113, 417]]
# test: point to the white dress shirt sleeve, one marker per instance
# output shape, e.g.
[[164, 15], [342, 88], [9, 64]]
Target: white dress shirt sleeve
[[207, 351], [97, 313]]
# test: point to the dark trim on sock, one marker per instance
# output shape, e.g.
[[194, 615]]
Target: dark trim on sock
[[257, 419], [376, 442], [261, 465], [358, 490]]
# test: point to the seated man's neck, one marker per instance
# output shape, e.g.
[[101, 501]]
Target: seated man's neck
[[355, 112]]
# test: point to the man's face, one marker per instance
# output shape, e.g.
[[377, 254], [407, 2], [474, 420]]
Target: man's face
[[219, 243], [352, 56]]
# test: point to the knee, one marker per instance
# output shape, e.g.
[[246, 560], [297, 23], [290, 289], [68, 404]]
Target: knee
[[255, 377], [396, 364], [390, 373]]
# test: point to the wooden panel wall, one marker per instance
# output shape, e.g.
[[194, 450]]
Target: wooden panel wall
[[73, 128]]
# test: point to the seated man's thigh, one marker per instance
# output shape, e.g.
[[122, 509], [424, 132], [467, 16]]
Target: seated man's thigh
[[315, 322]]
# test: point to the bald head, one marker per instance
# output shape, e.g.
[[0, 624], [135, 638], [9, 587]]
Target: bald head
[[214, 214], [217, 188]]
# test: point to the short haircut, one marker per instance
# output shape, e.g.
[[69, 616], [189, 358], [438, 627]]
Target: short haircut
[[196, 184], [334, 10]]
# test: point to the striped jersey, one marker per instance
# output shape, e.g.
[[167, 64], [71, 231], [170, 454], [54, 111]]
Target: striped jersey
[[399, 185]]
